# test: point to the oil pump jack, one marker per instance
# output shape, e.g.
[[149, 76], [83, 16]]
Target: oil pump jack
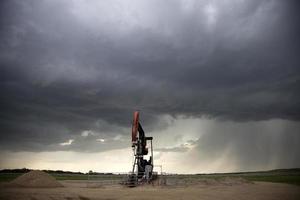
[[142, 169]]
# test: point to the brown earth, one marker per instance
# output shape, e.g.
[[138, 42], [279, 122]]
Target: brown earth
[[35, 179], [175, 182], [226, 189]]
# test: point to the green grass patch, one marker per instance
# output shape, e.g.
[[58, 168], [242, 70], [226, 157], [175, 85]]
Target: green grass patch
[[6, 177], [87, 177], [277, 176], [290, 179]]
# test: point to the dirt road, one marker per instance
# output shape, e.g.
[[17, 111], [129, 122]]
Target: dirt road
[[79, 191]]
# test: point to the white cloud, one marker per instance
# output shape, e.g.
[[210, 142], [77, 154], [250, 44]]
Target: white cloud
[[100, 140], [67, 143], [117, 137], [86, 133]]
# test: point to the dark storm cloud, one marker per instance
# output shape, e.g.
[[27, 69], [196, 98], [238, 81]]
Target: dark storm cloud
[[66, 66], [252, 145]]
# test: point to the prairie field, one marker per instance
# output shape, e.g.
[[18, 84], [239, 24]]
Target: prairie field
[[251, 185]]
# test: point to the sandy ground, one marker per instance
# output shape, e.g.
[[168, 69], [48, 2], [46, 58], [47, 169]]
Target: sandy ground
[[80, 190]]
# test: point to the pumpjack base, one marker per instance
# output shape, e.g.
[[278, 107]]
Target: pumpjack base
[[131, 181]]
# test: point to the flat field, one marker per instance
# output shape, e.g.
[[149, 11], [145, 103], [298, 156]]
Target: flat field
[[80, 190], [254, 185], [290, 176]]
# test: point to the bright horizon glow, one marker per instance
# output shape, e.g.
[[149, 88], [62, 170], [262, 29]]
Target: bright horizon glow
[[184, 153]]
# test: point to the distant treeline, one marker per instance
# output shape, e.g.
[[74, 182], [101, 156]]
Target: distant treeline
[[274, 171], [25, 170]]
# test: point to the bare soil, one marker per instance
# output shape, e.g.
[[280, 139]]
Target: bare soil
[[35, 179], [228, 189]]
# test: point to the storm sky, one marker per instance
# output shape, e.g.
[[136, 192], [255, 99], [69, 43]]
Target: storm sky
[[216, 83]]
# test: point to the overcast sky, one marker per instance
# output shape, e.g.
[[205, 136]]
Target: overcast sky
[[216, 82]]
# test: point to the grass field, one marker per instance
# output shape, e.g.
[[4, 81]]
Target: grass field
[[290, 179], [5, 177], [275, 178], [279, 176]]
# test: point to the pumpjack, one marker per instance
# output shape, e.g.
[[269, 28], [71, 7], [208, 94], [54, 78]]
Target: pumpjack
[[142, 169]]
